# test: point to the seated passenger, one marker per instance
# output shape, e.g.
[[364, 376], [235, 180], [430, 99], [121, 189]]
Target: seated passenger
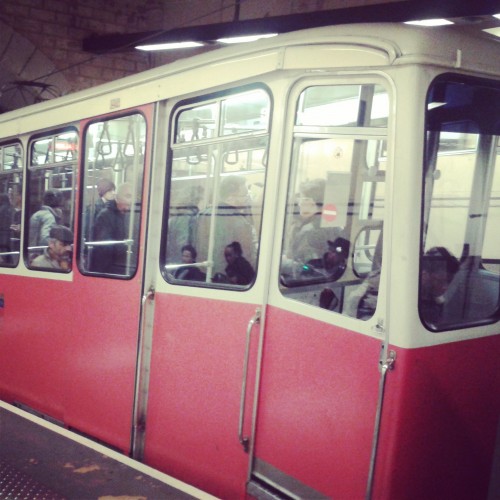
[[307, 239], [58, 253], [238, 270], [334, 261], [438, 268], [189, 273], [232, 223]]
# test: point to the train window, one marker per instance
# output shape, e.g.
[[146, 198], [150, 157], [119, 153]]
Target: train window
[[112, 195], [343, 106], [332, 246], [11, 192], [50, 203], [460, 260], [216, 191]]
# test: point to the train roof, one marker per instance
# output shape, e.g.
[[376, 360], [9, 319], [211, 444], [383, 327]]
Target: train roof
[[356, 45]]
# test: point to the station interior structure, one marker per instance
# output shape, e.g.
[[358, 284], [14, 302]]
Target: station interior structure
[[50, 48]]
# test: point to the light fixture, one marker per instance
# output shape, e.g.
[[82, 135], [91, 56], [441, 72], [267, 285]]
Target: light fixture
[[169, 46], [434, 105], [497, 16], [244, 39], [430, 22], [207, 34], [493, 31]]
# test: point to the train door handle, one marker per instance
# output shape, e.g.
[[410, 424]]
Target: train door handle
[[245, 441]]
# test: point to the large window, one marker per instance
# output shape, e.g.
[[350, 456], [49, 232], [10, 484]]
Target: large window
[[460, 261], [11, 192], [332, 248], [51, 194], [217, 179], [112, 196]]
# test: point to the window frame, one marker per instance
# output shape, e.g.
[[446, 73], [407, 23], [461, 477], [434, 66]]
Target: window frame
[[218, 139], [430, 156], [20, 170], [357, 132], [32, 167], [82, 178]]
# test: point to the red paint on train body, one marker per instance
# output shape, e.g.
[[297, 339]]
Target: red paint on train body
[[317, 404], [78, 364], [195, 390], [440, 419]]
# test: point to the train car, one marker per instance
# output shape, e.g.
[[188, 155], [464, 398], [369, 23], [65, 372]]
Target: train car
[[271, 270]]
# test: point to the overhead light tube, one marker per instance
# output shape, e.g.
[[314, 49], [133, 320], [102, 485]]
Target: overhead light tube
[[430, 22], [246, 38], [169, 46]]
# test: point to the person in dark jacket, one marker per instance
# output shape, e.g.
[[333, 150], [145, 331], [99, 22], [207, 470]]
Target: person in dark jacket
[[189, 272], [114, 255], [6, 218], [438, 269], [238, 270]]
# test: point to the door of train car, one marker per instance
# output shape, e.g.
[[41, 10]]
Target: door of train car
[[324, 321], [218, 308], [208, 291], [101, 362]]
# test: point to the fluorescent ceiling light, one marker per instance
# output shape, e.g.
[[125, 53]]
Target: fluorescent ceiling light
[[169, 46], [430, 22], [493, 31], [244, 39], [434, 105], [497, 16]]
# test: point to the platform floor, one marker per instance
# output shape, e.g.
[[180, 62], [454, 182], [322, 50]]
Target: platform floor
[[42, 461]]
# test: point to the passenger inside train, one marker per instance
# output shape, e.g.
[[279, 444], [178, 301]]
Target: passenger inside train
[[112, 228], [58, 254], [305, 255], [43, 219], [438, 269], [6, 217], [238, 270], [232, 223], [184, 209], [189, 272]]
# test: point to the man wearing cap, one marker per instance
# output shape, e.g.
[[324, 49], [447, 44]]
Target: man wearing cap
[[58, 253]]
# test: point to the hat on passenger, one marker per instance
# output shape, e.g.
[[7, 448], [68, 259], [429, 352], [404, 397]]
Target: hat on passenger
[[61, 233], [105, 185], [340, 246]]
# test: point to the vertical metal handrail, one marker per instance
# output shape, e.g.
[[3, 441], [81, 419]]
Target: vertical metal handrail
[[385, 367], [245, 440], [140, 391]]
